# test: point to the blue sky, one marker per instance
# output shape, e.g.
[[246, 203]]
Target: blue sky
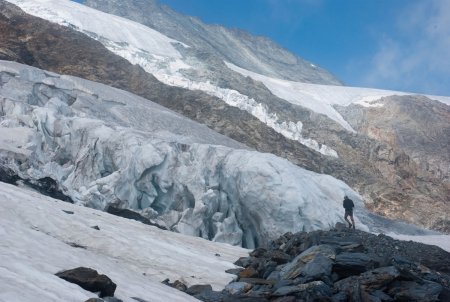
[[390, 44]]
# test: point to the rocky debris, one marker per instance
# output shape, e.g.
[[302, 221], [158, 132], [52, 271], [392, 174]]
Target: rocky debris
[[90, 280], [139, 299], [129, 214], [338, 265], [177, 284]]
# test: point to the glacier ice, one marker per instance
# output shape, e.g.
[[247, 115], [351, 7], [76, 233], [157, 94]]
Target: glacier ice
[[106, 146]]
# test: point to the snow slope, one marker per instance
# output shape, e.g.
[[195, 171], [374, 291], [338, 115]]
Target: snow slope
[[111, 27], [36, 243]]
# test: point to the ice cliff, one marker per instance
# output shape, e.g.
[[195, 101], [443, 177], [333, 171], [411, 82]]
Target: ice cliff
[[106, 146]]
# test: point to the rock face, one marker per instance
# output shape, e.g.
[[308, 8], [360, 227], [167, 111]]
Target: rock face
[[344, 265], [414, 132], [90, 280], [394, 180]]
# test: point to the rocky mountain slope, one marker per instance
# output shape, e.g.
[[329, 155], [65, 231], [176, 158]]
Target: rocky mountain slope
[[243, 104], [258, 54]]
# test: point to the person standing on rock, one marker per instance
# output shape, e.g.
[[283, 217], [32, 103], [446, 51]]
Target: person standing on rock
[[348, 206]]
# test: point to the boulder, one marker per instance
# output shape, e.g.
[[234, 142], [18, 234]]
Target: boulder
[[412, 291], [198, 289], [177, 284], [129, 214], [348, 264], [280, 257], [348, 287], [312, 291], [236, 288], [90, 280], [378, 278], [248, 272], [317, 269], [293, 269]]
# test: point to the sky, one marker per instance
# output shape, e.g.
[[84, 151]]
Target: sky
[[390, 44]]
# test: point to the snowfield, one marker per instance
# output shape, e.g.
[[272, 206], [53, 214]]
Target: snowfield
[[36, 237]]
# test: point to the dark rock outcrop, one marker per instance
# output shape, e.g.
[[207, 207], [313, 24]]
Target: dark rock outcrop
[[90, 280], [46, 186], [341, 265], [49, 187], [129, 214]]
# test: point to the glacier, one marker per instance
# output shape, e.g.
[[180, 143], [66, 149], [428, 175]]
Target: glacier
[[105, 146]]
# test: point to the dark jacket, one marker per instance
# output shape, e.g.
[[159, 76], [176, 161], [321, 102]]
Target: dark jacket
[[348, 204]]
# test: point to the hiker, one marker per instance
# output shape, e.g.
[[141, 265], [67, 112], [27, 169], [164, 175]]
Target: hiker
[[349, 205]]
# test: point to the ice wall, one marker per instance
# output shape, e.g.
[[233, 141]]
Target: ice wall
[[105, 146]]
